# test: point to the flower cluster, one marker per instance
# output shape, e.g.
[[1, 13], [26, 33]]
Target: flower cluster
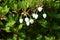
[[30, 20]]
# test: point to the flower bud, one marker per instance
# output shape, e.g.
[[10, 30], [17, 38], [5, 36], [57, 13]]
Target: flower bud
[[21, 20]]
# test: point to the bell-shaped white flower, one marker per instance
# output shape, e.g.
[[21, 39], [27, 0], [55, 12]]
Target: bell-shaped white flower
[[28, 23], [36, 16], [21, 20], [31, 21], [44, 15], [33, 15], [26, 19], [39, 9]]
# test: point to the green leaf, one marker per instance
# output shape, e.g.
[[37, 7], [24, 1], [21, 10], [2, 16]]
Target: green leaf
[[15, 7], [20, 26], [23, 5], [9, 38], [16, 17], [10, 23], [7, 29], [14, 37], [1, 23], [43, 23], [27, 4], [39, 37], [22, 35], [19, 5], [56, 26], [57, 16], [56, 5], [0, 8], [32, 3], [21, 39], [5, 10], [49, 38]]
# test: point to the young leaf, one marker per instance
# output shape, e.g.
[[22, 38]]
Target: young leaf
[[10, 23], [5, 10], [20, 26], [7, 29]]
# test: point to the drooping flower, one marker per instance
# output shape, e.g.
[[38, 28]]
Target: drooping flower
[[31, 21], [21, 20], [33, 15], [39, 9], [26, 19], [44, 15], [28, 23], [36, 16]]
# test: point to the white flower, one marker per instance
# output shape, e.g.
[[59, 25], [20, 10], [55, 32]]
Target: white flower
[[39, 9], [44, 15], [28, 23], [36, 16], [22, 13], [31, 21], [21, 20], [33, 15], [26, 19]]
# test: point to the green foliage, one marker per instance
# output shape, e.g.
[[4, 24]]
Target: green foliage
[[56, 26], [7, 29], [20, 26], [4, 10], [39, 37], [43, 23], [41, 29], [49, 38], [1, 23]]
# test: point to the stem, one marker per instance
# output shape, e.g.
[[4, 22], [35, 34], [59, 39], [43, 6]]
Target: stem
[[16, 34]]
